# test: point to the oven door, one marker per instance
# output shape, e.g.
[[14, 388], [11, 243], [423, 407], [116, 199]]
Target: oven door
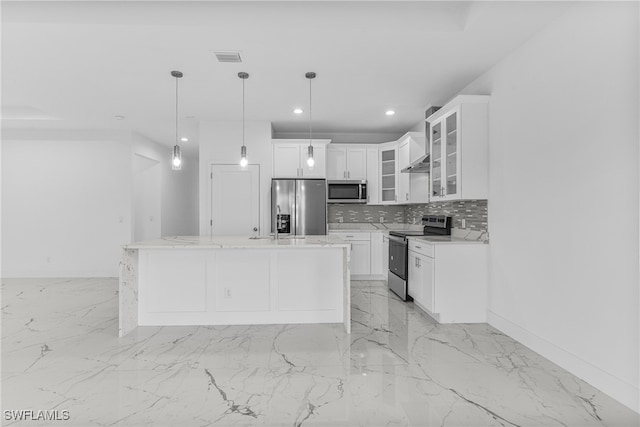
[[398, 257]]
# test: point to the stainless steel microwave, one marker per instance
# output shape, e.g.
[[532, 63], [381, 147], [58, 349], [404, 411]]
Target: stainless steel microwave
[[347, 191]]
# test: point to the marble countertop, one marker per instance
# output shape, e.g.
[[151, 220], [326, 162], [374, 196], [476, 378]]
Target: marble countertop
[[458, 236], [372, 226], [448, 240], [236, 242]]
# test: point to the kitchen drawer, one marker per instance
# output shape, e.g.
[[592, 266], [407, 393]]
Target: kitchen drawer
[[356, 235], [421, 247]]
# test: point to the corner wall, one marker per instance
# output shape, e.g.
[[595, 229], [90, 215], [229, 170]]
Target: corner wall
[[67, 200], [66, 204], [179, 188], [564, 220]]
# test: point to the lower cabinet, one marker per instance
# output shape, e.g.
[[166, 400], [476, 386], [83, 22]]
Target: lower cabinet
[[377, 254], [367, 254], [360, 257], [385, 255], [449, 281]]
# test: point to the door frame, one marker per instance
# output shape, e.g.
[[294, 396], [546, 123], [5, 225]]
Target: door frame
[[211, 165]]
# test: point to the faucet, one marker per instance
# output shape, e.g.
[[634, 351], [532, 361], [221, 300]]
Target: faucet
[[277, 221]]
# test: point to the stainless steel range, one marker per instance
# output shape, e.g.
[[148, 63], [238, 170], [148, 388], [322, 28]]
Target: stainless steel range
[[433, 225]]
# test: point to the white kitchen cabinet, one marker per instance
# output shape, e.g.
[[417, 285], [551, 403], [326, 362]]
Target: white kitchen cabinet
[[449, 281], [460, 128], [346, 162], [389, 173], [360, 252], [290, 158], [385, 255], [377, 244], [412, 187], [403, 178], [373, 176]]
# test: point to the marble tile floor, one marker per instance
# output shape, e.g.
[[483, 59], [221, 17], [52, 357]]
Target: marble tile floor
[[60, 351]]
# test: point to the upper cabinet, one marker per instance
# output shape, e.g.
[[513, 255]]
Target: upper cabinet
[[388, 173], [346, 162], [412, 187], [460, 128], [290, 158], [373, 176]]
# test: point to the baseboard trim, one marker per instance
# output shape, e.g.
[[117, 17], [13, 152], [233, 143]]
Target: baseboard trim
[[616, 388], [368, 277]]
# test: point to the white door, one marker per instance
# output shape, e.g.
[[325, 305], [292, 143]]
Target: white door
[[235, 200], [146, 199], [336, 163], [360, 257], [286, 160], [415, 280], [426, 266], [403, 178], [356, 163]]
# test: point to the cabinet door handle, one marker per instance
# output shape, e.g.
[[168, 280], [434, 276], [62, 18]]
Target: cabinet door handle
[[419, 263], [349, 236], [348, 174]]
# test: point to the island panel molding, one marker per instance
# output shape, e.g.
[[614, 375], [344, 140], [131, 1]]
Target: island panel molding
[[235, 281]]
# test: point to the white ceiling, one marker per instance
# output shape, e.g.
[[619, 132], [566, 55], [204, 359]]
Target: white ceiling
[[78, 64]]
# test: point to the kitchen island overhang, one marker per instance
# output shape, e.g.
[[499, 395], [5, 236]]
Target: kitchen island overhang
[[197, 280]]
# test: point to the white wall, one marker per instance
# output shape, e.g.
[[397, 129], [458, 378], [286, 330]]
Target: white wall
[[66, 205], [67, 199], [220, 142], [179, 198], [563, 204]]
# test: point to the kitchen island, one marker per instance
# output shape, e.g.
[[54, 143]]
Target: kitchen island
[[196, 280]]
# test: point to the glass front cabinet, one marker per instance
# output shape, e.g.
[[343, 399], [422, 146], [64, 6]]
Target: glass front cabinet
[[461, 126]]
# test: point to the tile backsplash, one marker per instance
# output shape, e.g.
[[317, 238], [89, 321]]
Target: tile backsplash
[[474, 212], [365, 213]]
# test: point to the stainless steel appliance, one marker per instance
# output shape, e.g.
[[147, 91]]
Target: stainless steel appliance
[[433, 225], [347, 191], [299, 207]]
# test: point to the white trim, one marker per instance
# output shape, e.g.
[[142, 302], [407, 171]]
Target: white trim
[[617, 388]]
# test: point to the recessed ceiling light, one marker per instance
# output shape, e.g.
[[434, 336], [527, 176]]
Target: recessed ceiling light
[[390, 112], [119, 117], [298, 111], [184, 139]]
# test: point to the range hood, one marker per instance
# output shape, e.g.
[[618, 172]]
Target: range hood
[[420, 165]]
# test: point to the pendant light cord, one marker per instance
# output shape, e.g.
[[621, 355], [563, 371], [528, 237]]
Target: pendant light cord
[[176, 110], [243, 112], [310, 112]]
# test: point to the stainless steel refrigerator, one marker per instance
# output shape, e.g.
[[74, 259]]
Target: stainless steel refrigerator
[[299, 206]]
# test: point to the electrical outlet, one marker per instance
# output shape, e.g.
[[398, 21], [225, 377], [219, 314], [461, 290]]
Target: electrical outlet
[[464, 223], [381, 219], [227, 292]]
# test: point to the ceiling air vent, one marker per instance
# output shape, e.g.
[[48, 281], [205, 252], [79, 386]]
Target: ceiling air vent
[[228, 56]]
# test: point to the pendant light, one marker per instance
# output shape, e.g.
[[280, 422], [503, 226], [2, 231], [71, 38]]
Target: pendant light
[[243, 150], [310, 159], [176, 157]]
